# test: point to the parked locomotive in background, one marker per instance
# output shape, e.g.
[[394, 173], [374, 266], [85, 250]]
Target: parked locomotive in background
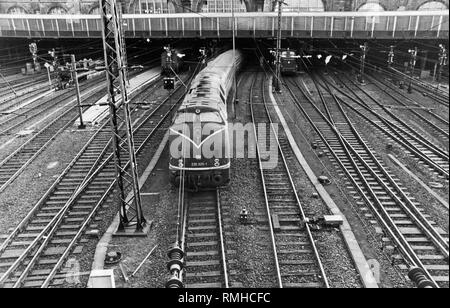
[[172, 60], [289, 62], [199, 141]]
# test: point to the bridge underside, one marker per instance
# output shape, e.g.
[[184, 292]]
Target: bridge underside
[[389, 25]]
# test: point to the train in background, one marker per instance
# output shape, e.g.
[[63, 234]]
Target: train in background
[[290, 63], [172, 61], [199, 140]]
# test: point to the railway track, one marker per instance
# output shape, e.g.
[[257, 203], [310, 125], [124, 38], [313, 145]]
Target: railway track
[[25, 81], [392, 127], [417, 240], [18, 119], [7, 89], [436, 94], [436, 123], [6, 105], [16, 162], [297, 260], [205, 259], [35, 251], [10, 99]]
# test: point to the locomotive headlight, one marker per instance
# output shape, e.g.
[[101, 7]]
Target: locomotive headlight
[[198, 156]]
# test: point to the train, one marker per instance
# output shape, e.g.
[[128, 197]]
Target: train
[[171, 61], [199, 139], [289, 62]]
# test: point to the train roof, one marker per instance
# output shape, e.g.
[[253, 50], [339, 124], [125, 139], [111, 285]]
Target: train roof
[[206, 91], [203, 105], [223, 63]]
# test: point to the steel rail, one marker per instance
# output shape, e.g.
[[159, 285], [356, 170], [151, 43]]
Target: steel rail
[[56, 221], [394, 128], [81, 188], [221, 251], [12, 103], [376, 206], [292, 185], [41, 201], [299, 205], [110, 188], [64, 209], [421, 117], [90, 93], [387, 84], [432, 147], [271, 229], [409, 207], [441, 97], [222, 241], [436, 131], [42, 234], [381, 84], [41, 148], [46, 104]]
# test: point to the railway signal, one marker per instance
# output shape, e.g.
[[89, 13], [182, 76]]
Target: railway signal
[[115, 67], [55, 63], [412, 66], [33, 50], [443, 57], [364, 49], [391, 57]]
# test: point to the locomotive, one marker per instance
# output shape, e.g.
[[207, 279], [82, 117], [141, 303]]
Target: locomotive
[[199, 140], [289, 62], [171, 61]]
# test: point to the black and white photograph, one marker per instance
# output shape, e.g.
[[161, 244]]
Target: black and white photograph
[[225, 148]]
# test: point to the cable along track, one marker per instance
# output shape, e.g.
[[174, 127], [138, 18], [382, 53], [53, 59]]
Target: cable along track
[[297, 260], [418, 241], [35, 251]]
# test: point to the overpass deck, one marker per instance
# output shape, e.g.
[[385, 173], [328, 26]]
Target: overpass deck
[[356, 25]]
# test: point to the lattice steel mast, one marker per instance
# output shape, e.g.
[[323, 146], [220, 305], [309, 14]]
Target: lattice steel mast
[[121, 127], [278, 51]]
